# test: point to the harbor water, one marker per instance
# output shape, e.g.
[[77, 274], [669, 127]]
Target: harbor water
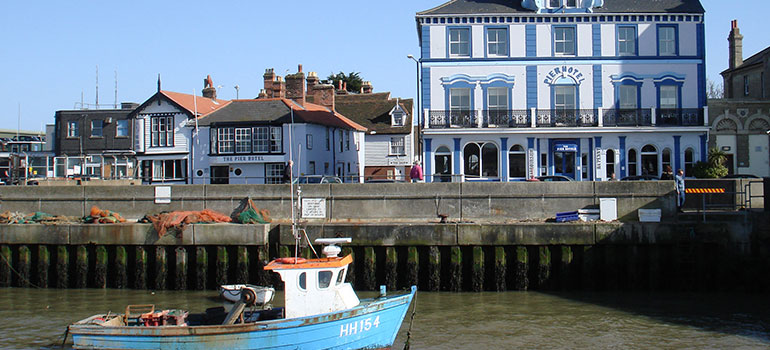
[[37, 318]]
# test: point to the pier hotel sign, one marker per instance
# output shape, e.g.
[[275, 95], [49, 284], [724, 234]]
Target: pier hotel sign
[[564, 72]]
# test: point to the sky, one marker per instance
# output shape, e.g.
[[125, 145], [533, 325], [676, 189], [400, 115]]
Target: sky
[[50, 50]]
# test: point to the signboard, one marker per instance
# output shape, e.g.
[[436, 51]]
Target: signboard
[[162, 194], [398, 161], [248, 159], [564, 72], [531, 164], [565, 147], [314, 208], [599, 156]]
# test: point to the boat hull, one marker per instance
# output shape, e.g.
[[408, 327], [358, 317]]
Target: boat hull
[[372, 325]]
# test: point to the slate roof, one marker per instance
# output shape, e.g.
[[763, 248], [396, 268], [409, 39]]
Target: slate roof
[[757, 58], [186, 102], [457, 7], [277, 111], [372, 111]]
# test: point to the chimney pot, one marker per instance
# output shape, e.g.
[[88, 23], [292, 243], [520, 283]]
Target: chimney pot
[[299, 68]]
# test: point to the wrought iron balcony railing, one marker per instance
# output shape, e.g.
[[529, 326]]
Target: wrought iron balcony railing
[[566, 117], [452, 118], [517, 118], [627, 117]]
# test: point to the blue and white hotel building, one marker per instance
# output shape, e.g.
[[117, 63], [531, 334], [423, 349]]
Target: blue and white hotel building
[[581, 88]]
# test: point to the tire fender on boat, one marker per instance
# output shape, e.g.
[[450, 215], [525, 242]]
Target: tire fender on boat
[[291, 260]]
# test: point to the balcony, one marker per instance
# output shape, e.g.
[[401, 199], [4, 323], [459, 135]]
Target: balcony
[[553, 118]]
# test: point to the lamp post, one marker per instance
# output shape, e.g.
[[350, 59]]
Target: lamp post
[[419, 108]]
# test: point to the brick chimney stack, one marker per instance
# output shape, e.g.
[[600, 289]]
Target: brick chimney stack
[[209, 91], [367, 87], [295, 86], [735, 39], [312, 81], [323, 94]]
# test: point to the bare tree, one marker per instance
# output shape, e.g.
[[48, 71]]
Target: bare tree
[[714, 90]]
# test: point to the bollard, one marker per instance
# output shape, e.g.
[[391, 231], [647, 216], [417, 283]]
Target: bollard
[[220, 274], [391, 266], [412, 275], [140, 269], [121, 263], [23, 266], [43, 265], [161, 268], [521, 269], [370, 269], [501, 273], [201, 268], [544, 267], [566, 268], [351, 276], [180, 268], [434, 269], [263, 277], [62, 267], [455, 269], [81, 267], [589, 267], [477, 278], [242, 265], [5, 266]]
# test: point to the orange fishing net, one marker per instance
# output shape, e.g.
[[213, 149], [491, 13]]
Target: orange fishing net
[[180, 219], [99, 216]]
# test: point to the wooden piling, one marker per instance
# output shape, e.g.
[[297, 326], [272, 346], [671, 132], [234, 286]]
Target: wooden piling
[[544, 267], [161, 268], [262, 276], [100, 267], [220, 273], [566, 268], [201, 268], [23, 266], [589, 267], [521, 269], [611, 267], [242, 265], [140, 268], [81, 267], [6, 255], [43, 266], [391, 268], [180, 268], [369, 278], [120, 271], [62, 266], [455, 269], [477, 278], [501, 269], [412, 273]]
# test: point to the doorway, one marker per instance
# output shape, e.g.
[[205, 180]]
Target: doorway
[[220, 175], [564, 158]]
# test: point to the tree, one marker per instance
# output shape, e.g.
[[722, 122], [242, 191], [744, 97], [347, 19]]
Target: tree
[[353, 80], [714, 168], [714, 90]]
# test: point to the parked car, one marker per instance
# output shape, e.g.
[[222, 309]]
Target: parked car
[[317, 179], [640, 178], [741, 176], [553, 178]]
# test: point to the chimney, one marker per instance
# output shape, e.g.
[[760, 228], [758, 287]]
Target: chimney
[[736, 45], [367, 87], [312, 81], [269, 77], [262, 94], [323, 94], [209, 91], [295, 86], [279, 88]]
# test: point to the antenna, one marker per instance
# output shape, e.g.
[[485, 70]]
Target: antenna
[[97, 86], [115, 106], [18, 123]]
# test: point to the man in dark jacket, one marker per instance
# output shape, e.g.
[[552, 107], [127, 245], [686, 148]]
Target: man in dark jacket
[[287, 172]]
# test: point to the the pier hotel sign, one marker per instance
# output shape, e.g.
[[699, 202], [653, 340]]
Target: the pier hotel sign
[[564, 72], [248, 159]]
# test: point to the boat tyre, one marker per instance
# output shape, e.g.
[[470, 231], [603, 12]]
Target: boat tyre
[[291, 260], [248, 296]]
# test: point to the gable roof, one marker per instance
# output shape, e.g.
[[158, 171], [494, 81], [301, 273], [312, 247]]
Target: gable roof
[[185, 102], [277, 110], [459, 7], [757, 58], [373, 111]]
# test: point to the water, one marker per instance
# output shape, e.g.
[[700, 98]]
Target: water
[[34, 318]]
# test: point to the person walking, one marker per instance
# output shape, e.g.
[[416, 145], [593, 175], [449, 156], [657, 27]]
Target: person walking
[[668, 174], [679, 181], [416, 173], [287, 172]]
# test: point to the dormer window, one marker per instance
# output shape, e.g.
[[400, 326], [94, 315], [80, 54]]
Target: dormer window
[[398, 118], [554, 4]]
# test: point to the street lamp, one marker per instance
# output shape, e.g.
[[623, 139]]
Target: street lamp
[[419, 108]]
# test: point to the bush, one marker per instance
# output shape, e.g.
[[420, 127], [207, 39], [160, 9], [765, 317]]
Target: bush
[[706, 170]]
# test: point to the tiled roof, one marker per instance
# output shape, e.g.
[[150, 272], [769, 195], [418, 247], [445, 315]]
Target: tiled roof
[[189, 102], [372, 111], [458, 7]]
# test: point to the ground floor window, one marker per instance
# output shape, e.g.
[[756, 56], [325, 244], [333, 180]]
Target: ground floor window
[[609, 160], [649, 160], [274, 173], [632, 168], [689, 161], [480, 160], [517, 162], [666, 159], [443, 164], [584, 166], [164, 170]]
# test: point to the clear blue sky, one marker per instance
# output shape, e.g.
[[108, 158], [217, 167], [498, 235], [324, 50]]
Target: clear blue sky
[[50, 49]]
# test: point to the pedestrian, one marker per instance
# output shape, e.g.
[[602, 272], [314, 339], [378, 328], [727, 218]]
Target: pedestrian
[[612, 177], [287, 172], [668, 174], [416, 173], [679, 181]]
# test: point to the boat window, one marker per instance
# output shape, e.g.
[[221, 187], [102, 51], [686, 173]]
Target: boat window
[[324, 279], [340, 276], [302, 281]]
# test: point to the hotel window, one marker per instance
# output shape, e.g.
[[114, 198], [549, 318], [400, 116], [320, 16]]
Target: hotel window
[[459, 42], [397, 146], [480, 160], [627, 41], [169, 169], [96, 128], [689, 161], [122, 128], [564, 98], [497, 42], [668, 96], [243, 140], [460, 99], [347, 140], [276, 138], [632, 162], [274, 173], [309, 141], [261, 139], [570, 3], [649, 160], [564, 41], [554, 3], [517, 162], [398, 119], [666, 41], [628, 96], [225, 140], [666, 159], [497, 99], [162, 131], [72, 129], [745, 85], [609, 159]]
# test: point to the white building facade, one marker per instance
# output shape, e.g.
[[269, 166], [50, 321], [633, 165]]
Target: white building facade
[[582, 89]]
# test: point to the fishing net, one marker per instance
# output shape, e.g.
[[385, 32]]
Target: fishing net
[[99, 216], [253, 215], [180, 219], [34, 218]]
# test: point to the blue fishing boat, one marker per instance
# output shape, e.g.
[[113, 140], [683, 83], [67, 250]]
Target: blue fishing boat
[[321, 311]]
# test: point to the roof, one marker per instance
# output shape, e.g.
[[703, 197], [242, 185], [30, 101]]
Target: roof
[[458, 7], [757, 58], [373, 111], [186, 102], [277, 110], [300, 263]]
